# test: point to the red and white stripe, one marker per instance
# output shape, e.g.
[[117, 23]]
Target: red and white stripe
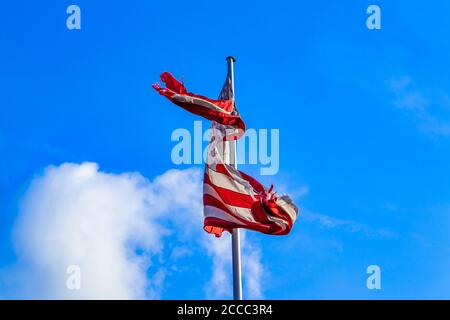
[[233, 199], [221, 110]]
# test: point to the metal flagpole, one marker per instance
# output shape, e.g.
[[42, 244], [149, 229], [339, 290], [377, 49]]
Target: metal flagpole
[[235, 236]]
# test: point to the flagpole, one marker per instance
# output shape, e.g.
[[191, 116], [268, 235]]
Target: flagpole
[[235, 236]]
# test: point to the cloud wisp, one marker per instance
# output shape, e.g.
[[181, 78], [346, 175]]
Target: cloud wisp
[[431, 112], [329, 222]]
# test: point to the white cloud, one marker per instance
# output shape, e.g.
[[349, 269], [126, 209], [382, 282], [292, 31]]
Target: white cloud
[[413, 100], [436, 127], [429, 111], [346, 225], [399, 84], [76, 215], [220, 284], [252, 269], [114, 226]]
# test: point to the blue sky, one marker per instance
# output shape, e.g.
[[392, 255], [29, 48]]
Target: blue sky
[[364, 120]]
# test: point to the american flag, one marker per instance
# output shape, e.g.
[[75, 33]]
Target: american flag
[[233, 199]]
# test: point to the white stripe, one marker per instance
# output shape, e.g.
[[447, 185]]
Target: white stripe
[[197, 101], [244, 213], [207, 189], [288, 207], [213, 212], [223, 181], [278, 221]]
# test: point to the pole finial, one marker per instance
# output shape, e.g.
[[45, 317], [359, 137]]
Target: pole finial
[[230, 58]]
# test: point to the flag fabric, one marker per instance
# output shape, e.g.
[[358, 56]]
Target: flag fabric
[[231, 198], [221, 110]]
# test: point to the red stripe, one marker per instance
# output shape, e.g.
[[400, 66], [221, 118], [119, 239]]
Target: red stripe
[[220, 117], [221, 168], [215, 222], [233, 198], [255, 184], [213, 202], [207, 180]]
